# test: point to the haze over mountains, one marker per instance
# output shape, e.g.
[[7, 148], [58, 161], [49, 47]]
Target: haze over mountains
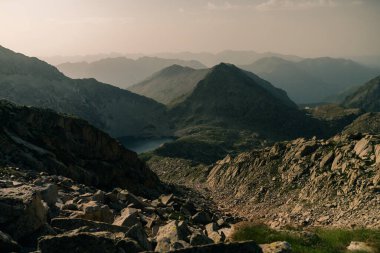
[[312, 80], [121, 71], [29, 81]]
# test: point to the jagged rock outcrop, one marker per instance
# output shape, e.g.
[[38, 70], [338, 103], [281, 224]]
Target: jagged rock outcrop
[[43, 140], [304, 182]]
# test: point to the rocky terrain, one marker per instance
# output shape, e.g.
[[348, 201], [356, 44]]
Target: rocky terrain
[[67, 186], [305, 182], [365, 97], [51, 213]]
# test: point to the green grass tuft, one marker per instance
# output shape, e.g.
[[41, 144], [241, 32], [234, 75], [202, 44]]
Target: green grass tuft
[[317, 240]]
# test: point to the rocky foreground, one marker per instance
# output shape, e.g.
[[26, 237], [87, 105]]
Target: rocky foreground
[[52, 213], [66, 186]]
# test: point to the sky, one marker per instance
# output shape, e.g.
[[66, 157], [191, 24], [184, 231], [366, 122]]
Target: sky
[[308, 28]]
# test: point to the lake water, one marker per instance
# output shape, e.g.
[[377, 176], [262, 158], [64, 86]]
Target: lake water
[[141, 145]]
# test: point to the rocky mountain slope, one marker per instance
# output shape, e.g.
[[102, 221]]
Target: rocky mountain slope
[[29, 81], [312, 80], [333, 182], [366, 123], [171, 84], [43, 140], [366, 96], [121, 71]]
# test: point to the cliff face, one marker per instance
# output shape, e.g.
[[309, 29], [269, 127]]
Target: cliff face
[[304, 182], [43, 140]]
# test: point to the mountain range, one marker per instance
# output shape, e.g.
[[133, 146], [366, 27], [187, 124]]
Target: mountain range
[[312, 80], [236, 57], [29, 81], [121, 71]]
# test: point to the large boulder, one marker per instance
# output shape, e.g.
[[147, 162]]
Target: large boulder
[[7, 244], [129, 216], [171, 233], [22, 211], [84, 242]]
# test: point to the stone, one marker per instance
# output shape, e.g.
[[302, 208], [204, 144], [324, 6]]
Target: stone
[[201, 218], [129, 216], [211, 227], [95, 211], [377, 153], [217, 237], [360, 247], [79, 242], [137, 233], [327, 159], [166, 199], [7, 244], [198, 238], [130, 198], [170, 233], [22, 211], [276, 247], [236, 247], [50, 194], [68, 224], [363, 147]]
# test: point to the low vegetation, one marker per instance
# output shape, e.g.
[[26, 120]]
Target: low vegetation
[[317, 240]]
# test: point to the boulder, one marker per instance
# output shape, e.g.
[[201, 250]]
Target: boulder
[[95, 211], [138, 233], [166, 199], [363, 147], [211, 227], [22, 211], [236, 247], [99, 242], [7, 244], [360, 247], [68, 224], [129, 216], [377, 153], [198, 238], [49, 194], [130, 198], [201, 218], [170, 233], [276, 247]]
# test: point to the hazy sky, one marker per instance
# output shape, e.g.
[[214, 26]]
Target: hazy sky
[[301, 27]]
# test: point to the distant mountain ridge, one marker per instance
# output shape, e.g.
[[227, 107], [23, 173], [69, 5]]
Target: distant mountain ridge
[[29, 81], [366, 97], [121, 71], [228, 96], [312, 80], [236, 57], [172, 83]]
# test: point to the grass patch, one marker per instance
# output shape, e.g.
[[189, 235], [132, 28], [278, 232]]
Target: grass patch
[[316, 240]]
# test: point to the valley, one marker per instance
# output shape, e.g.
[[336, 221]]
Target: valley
[[188, 160]]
